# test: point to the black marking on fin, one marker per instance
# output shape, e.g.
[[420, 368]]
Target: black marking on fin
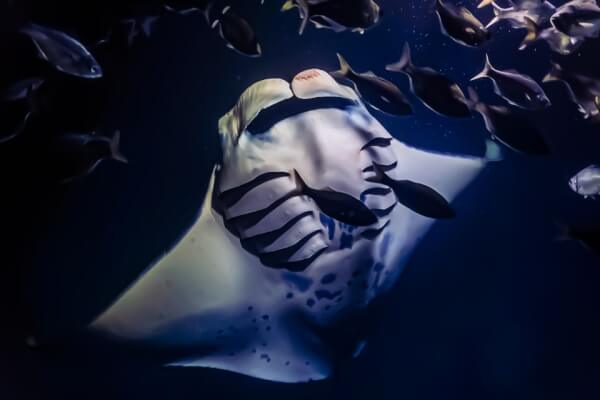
[[246, 221], [256, 244], [384, 212], [376, 191], [297, 266], [373, 233], [377, 142], [278, 257], [231, 196], [383, 167]]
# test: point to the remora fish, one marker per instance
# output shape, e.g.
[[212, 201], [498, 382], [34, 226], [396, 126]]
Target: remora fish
[[435, 90], [377, 92], [288, 261], [517, 89]]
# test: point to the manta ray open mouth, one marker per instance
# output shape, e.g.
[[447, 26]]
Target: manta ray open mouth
[[306, 220]]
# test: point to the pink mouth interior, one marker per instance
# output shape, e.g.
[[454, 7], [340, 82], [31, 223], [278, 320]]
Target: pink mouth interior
[[308, 74]]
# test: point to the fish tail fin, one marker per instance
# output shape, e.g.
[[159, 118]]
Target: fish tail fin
[[553, 74], [499, 13], [485, 72], [345, 68], [207, 11], [473, 101], [115, 150], [493, 152], [303, 9], [484, 3], [533, 32], [404, 64]]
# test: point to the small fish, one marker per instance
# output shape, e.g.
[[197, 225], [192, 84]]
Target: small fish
[[517, 89], [337, 205], [20, 89], [587, 182], [556, 40], [519, 4], [582, 89], [63, 52], [509, 128], [435, 90], [460, 25], [379, 93], [578, 18], [420, 198], [337, 15], [237, 33], [78, 155], [14, 117], [587, 236], [517, 16]]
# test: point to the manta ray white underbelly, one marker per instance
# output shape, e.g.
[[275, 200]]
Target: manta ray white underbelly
[[263, 270]]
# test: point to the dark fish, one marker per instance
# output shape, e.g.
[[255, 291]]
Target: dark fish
[[578, 18], [420, 198], [379, 93], [582, 89], [556, 40], [517, 89], [460, 25], [337, 15], [13, 119], [237, 33], [588, 236], [337, 205], [62, 51], [435, 90], [78, 155], [509, 128], [20, 89]]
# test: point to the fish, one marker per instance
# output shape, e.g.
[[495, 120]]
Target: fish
[[77, 155], [20, 89], [588, 236], [14, 117], [337, 15], [237, 33], [338, 205], [63, 52], [438, 92], [510, 128], [519, 4], [586, 182], [517, 16], [377, 92], [251, 272], [517, 89], [420, 198], [578, 18], [556, 40], [582, 89], [460, 25]]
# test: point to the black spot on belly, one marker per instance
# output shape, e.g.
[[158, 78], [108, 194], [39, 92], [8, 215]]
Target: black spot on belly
[[327, 279], [301, 282], [326, 294]]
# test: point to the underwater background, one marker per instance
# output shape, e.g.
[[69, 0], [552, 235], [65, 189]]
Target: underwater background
[[490, 305]]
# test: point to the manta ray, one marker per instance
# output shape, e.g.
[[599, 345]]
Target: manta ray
[[266, 269]]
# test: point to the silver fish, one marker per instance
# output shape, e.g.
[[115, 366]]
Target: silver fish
[[517, 16], [582, 89], [587, 182], [517, 89], [578, 18], [64, 52], [556, 40]]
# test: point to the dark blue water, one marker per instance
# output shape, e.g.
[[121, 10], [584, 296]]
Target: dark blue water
[[491, 305]]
